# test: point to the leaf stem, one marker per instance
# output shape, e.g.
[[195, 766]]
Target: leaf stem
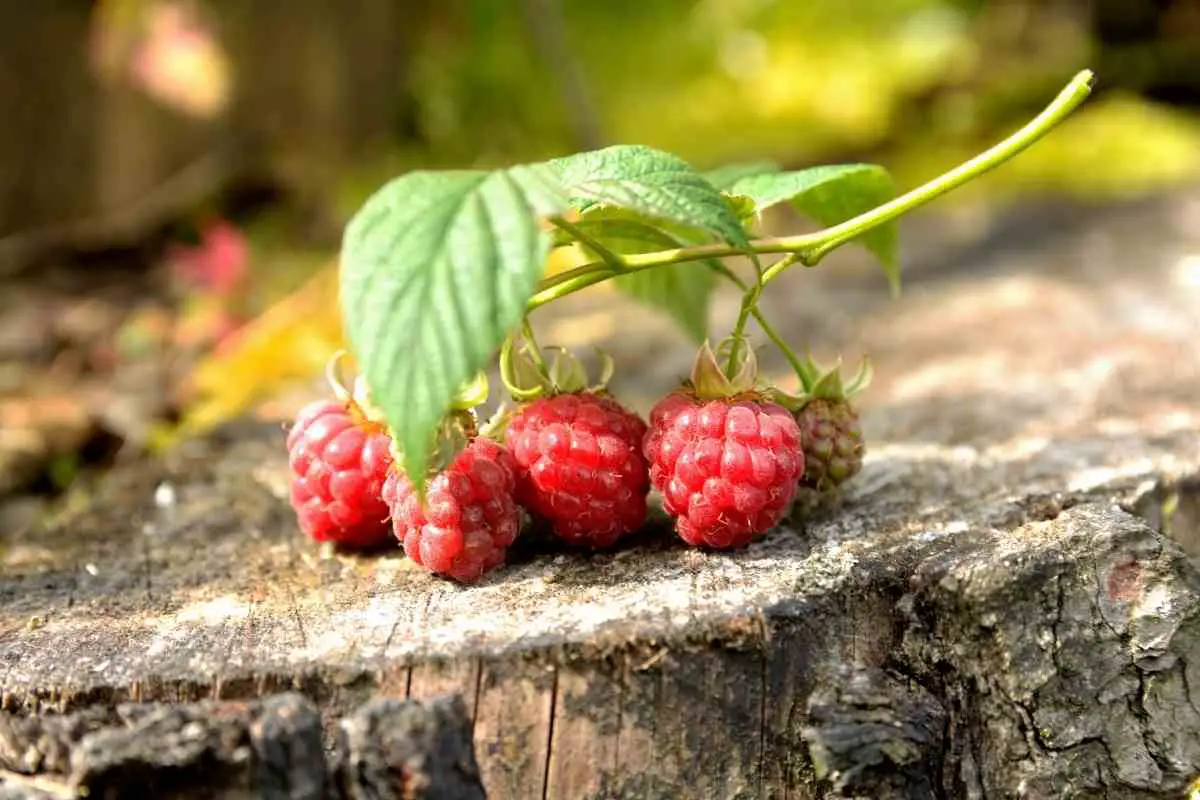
[[535, 352], [748, 307], [767, 328], [568, 275], [831, 238], [809, 248], [613, 260]]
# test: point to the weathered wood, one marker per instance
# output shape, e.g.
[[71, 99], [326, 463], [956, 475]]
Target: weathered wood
[[435, 678], [584, 756], [513, 725], [1000, 564], [877, 735], [95, 164], [269, 748], [400, 749]]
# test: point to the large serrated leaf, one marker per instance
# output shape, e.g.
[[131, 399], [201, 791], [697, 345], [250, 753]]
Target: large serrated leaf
[[681, 290], [436, 269], [724, 177], [652, 183], [833, 194]]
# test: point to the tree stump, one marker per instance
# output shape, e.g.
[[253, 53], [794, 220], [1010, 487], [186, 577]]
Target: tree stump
[[1004, 603]]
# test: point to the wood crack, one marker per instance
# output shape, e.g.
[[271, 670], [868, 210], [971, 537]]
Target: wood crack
[[550, 735]]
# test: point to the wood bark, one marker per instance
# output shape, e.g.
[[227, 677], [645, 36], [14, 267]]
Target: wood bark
[[266, 748]]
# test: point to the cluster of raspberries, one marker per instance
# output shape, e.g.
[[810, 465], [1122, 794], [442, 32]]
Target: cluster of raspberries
[[581, 463]]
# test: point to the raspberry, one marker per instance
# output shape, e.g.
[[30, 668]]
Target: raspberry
[[470, 516], [339, 462], [581, 466], [832, 439], [727, 468]]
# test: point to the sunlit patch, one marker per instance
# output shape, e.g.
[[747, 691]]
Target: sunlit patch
[[744, 53], [165, 49], [1187, 271], [1093, 478], [215, 611]]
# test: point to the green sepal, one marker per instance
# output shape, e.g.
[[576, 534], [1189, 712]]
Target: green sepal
[[456, 430], [473, 393], [567, 374], [819, 381], [521, 377], [496, 427], [862, 378], [710, 381], [830, 384]]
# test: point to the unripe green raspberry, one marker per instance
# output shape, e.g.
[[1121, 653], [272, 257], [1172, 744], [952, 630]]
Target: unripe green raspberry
[[832, 440]]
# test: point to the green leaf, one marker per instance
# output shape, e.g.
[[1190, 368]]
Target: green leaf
[[681, 290], [652, 183], [726, 176], [833, 194], [436, 270], [742, 207]]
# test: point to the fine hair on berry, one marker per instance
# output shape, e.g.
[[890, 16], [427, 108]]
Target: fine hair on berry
[[470, 516], [727, 469], [339, 462], [581, 466]]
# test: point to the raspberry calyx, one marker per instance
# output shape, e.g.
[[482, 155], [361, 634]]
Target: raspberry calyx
[[578, 450], [725, 458]]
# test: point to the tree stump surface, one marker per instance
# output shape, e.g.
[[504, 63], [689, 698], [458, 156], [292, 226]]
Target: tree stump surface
[[265, 748], [1004, 603]]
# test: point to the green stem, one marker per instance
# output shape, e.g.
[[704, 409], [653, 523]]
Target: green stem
[[810, 248], [535, 352], [610, 259], [594, 267], [748, 307], [767, 328], [831, 238]]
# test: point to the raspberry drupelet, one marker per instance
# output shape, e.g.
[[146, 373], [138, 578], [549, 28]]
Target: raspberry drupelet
[[339, 460], [581, 467], [831, 435], [727, 468], [470, 517]]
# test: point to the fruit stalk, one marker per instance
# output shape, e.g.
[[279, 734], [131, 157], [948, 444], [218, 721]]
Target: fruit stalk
[[767, 328], [810, 248]]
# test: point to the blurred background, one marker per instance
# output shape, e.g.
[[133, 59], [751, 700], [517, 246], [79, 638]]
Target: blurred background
[[175, 174]]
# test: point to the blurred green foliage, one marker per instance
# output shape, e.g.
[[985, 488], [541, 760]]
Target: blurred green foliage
[[913, 83], [710, 79]]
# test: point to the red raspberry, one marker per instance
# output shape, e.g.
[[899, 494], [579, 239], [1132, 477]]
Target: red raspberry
[[470, 516], [339, 462], [727, 469], [581, 466]]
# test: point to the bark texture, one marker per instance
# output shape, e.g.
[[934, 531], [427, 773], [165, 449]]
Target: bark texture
[[267, 748]]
